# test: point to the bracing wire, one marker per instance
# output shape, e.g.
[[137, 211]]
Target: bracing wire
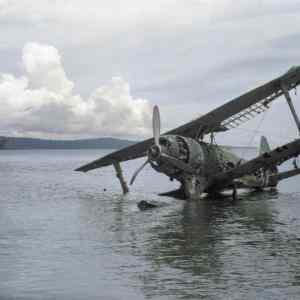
[[255, 132], [278, 136]]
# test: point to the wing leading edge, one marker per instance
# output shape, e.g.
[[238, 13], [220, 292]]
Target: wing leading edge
[[223, 118], [128, 153], [242, 108]]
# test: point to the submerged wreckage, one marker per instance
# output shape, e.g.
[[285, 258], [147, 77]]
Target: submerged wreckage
[[202, 167]]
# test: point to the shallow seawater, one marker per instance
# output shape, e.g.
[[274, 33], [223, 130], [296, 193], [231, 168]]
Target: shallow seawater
[[69, 235]]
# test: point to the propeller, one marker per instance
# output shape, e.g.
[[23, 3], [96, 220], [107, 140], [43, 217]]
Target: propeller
[[138, 171], [155, 150]]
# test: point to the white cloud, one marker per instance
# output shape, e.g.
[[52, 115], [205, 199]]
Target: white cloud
[[44, 69], [190, 56], [42, 102]]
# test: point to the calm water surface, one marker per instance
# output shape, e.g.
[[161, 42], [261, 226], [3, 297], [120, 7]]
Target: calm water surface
[[62, 236]]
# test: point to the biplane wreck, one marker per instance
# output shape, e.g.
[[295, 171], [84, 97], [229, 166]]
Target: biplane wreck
[[204, 167]]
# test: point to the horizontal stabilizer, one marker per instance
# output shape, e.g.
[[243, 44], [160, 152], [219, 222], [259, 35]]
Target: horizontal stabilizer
[[287, 174]]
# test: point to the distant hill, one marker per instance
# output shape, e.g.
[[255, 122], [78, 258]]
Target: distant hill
[[14, 143]]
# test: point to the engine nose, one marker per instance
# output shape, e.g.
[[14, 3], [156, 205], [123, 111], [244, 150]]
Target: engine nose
[[154, 152], [165, 146], [170, 145]]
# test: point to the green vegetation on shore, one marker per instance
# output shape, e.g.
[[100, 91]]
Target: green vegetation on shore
[[15, 143]]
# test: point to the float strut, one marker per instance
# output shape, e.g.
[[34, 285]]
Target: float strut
[[120, 176], [234, 192], [291, 105]]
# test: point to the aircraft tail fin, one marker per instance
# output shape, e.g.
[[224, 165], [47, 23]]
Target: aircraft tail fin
[[264, 146]]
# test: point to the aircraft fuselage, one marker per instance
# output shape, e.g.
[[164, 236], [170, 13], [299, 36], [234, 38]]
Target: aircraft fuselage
[[205, 159]]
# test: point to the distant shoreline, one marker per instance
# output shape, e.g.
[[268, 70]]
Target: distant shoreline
[[16, 143]]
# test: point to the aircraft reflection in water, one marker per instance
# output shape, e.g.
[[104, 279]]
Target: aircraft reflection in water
[[201, 167], [228, 247]]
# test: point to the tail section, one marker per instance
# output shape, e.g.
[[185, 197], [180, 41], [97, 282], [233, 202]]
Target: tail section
[[266, 162], [272, 174]]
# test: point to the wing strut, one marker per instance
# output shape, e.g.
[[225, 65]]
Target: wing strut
[[120, 176], [291, 105]]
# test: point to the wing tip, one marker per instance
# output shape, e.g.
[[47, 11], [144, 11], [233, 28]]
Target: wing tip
[[81, 169]]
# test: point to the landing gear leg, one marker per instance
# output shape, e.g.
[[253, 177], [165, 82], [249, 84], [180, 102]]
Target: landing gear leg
[[193, 187], [120, 176]]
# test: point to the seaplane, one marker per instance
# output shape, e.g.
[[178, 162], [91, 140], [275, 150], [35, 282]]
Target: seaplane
[[205, 167]]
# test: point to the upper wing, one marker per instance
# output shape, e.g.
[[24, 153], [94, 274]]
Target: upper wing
[[241, 109], [225, 117], [267, 160]]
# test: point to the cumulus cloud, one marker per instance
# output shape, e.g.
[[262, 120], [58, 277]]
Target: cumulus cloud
[[190, 56], [42, 102]]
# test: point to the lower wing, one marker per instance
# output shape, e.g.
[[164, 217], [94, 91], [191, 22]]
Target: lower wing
[[265, 161]]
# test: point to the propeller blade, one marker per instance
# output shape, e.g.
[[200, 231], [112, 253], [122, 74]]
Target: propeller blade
[[156, 125], [138, 171]]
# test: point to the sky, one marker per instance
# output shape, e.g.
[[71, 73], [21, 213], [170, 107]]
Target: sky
[[83, 69]]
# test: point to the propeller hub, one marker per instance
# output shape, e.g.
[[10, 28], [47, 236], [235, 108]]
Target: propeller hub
[[154, 152]]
